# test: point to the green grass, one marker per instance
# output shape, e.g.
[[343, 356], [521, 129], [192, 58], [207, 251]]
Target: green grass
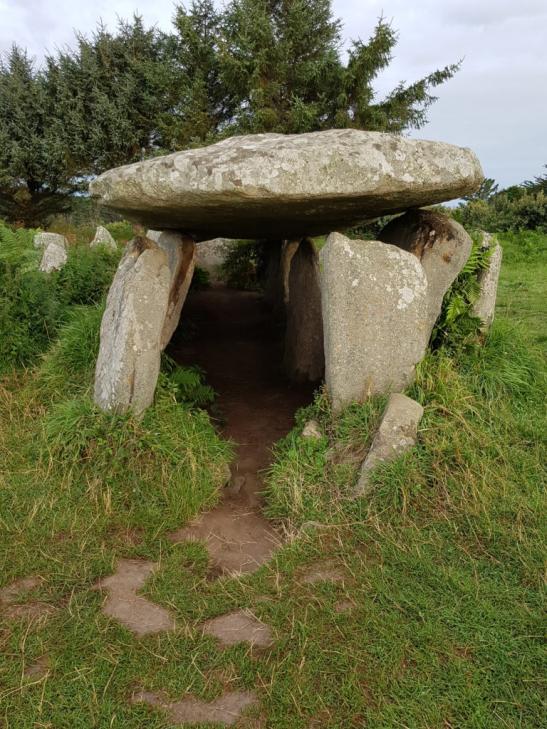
[[443, 563]]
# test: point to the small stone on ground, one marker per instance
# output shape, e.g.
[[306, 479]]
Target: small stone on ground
[[238, 627], [137, 613], [327, 571]]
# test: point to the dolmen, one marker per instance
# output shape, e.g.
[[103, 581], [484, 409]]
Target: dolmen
[[360, 313]]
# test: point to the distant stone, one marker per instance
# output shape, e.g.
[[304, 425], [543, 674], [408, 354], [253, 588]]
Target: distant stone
[[287, 186], [42, 240], [397, 433], [304, 359], [375, 318], [485, 306], [103, 238], [180, 251], [312, 430], [440, 243], [54, 257], [129, 355], [211, 255]]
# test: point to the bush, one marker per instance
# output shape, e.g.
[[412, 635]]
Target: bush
[[242, 264], [506, 211]]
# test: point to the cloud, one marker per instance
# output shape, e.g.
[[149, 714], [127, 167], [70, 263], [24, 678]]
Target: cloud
[[496, 104]]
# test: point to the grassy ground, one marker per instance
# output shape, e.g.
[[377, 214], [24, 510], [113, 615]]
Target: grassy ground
[[441, 569]]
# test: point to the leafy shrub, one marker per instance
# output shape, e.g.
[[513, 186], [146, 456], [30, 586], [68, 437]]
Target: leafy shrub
[[240, 269], [515, 209], [200, 279], [186, 384], [87, 275], [121, 231]]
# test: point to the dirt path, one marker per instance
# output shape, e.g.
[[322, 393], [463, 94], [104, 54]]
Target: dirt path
[[241, 351]]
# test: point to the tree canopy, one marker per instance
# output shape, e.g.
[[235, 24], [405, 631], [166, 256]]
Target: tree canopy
[[253, 66]]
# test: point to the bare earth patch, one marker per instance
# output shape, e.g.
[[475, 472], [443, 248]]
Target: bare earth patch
[[327, 571], [39, 668], [238, 627], [225, 710], [124, 604], [238, 538], [10, 596]]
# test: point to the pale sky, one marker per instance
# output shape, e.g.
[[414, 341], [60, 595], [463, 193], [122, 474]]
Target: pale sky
[[497, 103]]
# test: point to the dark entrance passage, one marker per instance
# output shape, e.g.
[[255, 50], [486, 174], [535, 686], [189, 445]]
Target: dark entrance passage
[[241, 350]]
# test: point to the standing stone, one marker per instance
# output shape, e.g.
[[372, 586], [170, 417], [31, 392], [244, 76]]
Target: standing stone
[[180, 250], [211, 255], [103, 238], [129, 355], [288, 249], [42, 240], [54, 256], [375, 317], [397, 433], [485, 306], [304, 356], [440, 243]]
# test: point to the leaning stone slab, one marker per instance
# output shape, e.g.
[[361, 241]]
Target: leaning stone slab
[[211, 255], [54, 257], [287, 186], [440, 243], [42, 240], [397, 433], [375, 317], [129, 355], [485, 306], [180, 251], [304, 358], [103, 238]]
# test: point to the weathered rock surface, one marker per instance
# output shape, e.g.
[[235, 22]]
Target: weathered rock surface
[[240, 626], [285, 186], [180, 251], [485, 306], [375, 317], [42, 240], [397, 433], [312, 430], [54, 257], [136, 612], [440, 243], [129, 355], [304, 358], [103, 238], [211, 255]]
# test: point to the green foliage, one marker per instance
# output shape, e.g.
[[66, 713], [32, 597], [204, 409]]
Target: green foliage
[[33, 305], [120, 230], [200, 279], [456, 325], [186, 384], [241, 265]]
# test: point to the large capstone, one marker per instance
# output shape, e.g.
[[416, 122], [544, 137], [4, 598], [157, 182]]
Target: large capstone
[[129, 355], [440, 243], [304, 357], [375, 317], [287, 186], [180, 250]]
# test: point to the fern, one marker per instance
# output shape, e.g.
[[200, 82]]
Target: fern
[[457, 326]]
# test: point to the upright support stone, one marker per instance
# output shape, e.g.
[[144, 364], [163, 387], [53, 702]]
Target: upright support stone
[[440, 243], [136, 307], [54, 256], [485, 306], [103, 238], [180, 250], [375, 307], [288, 249], [304, 356]]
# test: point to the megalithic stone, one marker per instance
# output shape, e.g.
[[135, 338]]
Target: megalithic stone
[[136, 307], [180, 251], [485, 306], [375, 318]]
